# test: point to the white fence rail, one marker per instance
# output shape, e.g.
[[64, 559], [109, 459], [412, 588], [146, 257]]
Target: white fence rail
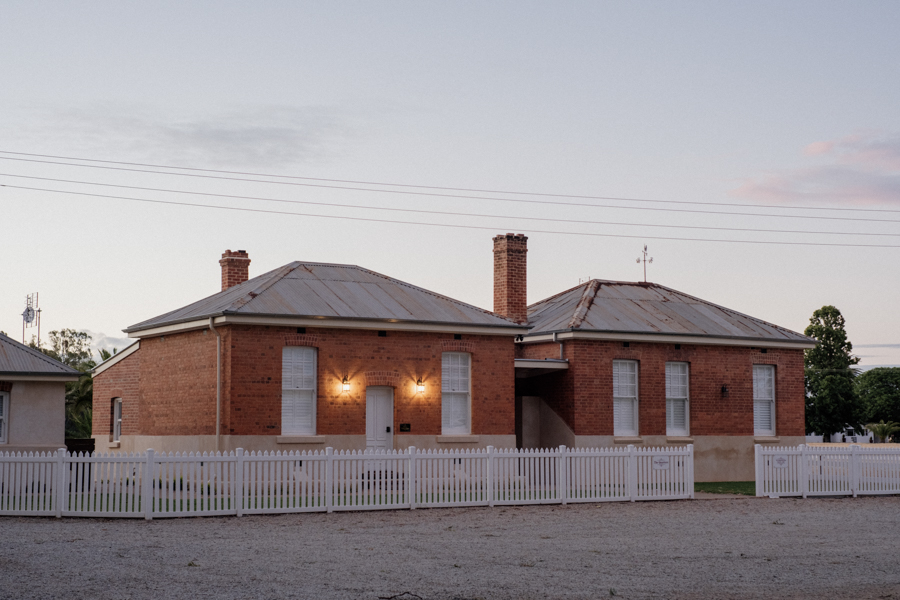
[[827, 470], [153, 485]]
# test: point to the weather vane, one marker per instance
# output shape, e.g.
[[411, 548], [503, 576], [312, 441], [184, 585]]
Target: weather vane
[[645, 261], [31, 316]]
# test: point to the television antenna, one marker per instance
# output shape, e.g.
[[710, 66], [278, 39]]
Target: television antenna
[[645, 261], [31, 316]]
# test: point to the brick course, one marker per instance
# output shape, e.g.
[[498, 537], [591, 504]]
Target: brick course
[[582, 395]]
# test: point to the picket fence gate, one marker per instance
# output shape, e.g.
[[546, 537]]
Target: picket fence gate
[[153, 485], [827, 470]]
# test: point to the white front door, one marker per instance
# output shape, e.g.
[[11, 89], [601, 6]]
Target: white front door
[[379, 418]]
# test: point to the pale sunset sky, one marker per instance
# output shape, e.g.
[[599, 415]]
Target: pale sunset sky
[[753, 146]]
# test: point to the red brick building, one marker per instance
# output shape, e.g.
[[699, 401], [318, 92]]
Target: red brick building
[[308, 356], [315, 355]]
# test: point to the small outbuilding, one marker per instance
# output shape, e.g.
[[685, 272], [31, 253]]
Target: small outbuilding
[[32, 398]]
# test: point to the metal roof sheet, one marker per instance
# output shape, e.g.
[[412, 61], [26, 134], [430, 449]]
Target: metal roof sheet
[[19, 359], [326, 290], [617, 306]]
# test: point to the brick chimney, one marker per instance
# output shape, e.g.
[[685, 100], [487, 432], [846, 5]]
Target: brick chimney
[[510, 291], [235, 268]]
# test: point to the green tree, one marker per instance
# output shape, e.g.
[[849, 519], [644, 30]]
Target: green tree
[[73, 348], [831, 401], [882, 430], [879, 393]]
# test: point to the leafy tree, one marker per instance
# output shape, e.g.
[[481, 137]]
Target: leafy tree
[[882, 430], [879, 393], [831, 401], [73, 348]]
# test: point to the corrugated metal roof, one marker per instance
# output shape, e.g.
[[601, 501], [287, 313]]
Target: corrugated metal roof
[[625, 307], [19, 359], [336, 291]]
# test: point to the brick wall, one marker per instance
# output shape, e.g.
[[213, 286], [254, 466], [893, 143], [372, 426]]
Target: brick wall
[[235, 268], [582, 396], [510, 281], [178, 384], [119, 381], [401, 358]]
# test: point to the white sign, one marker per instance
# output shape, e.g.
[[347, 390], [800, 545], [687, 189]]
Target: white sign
[[660, 463], [780, 461]]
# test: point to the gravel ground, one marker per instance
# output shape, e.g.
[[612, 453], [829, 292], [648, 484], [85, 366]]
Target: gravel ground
[[723, 548]]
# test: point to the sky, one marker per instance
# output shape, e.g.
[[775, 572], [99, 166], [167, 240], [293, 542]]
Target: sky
[[696, 128]]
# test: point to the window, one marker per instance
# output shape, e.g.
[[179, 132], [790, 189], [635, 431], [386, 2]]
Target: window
[[298, 390], [455, 393], [763, 400], [625, 397], [677, 410], [4, 417], [117, 419]]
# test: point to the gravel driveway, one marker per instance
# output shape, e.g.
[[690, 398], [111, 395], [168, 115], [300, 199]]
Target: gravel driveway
[[723, 548]]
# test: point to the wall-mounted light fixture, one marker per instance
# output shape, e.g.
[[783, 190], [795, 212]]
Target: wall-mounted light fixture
[[345, 385], [724, 391], [420, 386]]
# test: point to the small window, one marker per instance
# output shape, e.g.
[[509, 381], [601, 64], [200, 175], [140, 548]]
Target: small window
[[625, 397], [4, 417], [763, 400], [117, 419], [677, 389], [298, 390], [455, 393]]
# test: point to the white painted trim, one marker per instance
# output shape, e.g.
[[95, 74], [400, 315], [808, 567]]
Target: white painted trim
[[393, 325], [537, 363], [115, 358], [54, 378], [663, 338]]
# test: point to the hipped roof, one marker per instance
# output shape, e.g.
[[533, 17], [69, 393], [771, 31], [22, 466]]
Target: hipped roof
[[331, 291], [648, 308], [19, 359]]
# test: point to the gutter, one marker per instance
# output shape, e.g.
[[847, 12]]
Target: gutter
[[218, 380]]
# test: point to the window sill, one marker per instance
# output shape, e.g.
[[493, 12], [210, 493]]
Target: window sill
[[628, 439], [300, 439], [458, 439], [679, 439], [766, 439]]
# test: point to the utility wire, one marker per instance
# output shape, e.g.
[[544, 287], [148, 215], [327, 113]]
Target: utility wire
[[456, 196], [437, 212], [371, 220], [434, 187]]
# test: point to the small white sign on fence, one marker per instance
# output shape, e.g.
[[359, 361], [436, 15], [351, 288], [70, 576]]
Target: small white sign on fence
[[780, 461], [661, 463]]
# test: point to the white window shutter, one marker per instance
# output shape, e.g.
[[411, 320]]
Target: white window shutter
[[623, 416], [298, 390], [455, 393], [763, 400], [625, 400]]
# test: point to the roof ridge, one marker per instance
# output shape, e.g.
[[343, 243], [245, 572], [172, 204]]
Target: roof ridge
[[559, 294], [584, 304], [37, 354]]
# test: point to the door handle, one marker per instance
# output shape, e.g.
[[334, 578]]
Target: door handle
[[388, 430]]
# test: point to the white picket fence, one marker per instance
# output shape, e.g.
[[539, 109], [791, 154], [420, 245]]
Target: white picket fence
[[153, 485], [827, 470]]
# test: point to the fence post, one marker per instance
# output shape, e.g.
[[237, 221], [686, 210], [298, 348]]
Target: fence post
[[760, 484], [689, 472], [147, 485], [632, 473], [855, 474], [804, 475], [61, 492], [411, 477], [490, 475], [329, 479], [237, 494], [562, 475]]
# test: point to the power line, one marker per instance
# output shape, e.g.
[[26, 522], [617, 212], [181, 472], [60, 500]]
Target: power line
[[435, 187], [371, 220], [456, 196], [437, 212]]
